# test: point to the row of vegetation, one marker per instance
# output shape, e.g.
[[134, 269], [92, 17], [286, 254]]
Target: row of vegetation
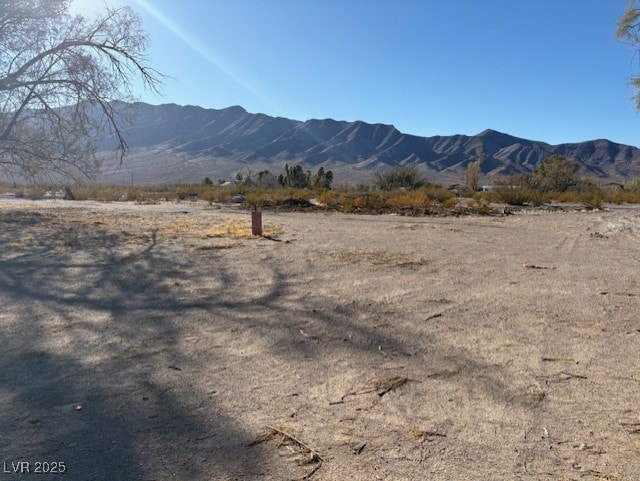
[[293, 177], [401, 188]]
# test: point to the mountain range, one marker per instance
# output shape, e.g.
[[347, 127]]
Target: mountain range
[[171, 143]]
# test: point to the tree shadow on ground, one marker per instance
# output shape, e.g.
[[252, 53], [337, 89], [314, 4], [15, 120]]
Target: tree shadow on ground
[[90, 353], [92, 365]]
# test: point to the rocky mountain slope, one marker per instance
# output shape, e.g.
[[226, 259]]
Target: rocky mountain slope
[[171, 143]]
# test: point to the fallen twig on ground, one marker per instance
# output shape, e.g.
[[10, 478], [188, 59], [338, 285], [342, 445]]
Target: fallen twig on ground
[[381, 387], [561, 377], [282, 438], [631, 427], [557, 359]]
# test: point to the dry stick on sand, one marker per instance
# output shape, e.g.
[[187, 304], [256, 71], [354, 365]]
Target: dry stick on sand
[[273, 432], [561, 377], [631, 427], [558, 359], [381, 387], [533, 266]]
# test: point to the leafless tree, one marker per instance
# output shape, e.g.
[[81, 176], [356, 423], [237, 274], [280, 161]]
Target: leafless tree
[[63, 83], [472, 175]]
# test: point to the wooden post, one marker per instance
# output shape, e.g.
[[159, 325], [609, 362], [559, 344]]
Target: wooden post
[[256, 221]]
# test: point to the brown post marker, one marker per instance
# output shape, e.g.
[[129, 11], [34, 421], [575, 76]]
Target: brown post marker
[[256, 221]]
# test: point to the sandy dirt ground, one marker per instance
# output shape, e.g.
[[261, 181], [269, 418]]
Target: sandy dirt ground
[[163, 342]]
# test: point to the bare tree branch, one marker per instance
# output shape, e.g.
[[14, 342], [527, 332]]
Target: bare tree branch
[[628, 29], [61, 77]]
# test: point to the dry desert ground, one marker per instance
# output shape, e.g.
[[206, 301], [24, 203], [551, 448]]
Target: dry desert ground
[[164, 342]]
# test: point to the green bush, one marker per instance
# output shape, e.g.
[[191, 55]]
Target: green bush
[[322, 179], [555, 173], [294, 176], [399, 177]]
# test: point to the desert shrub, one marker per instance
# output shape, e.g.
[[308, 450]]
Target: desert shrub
[[266, 180], [277, 195], [33, 191], [489, 196], [83, 192], [414, 198], [182, 192], [360, 187], [620, 196], [36, 192], [321, 179], [633, 184], [591, 199], [214, 194], [452, 202], [617, 197], [472, 175], [112, 193], [218, 194], [327, 197], [566, 197], [555, 173], [244, 179], [585, 184], [295, 176], [438, 194], [407, 198], [105, 193], [255, 198], [399, 177], [192, 191], [136, 194], [519, 196], [482, 206], [371, 200]]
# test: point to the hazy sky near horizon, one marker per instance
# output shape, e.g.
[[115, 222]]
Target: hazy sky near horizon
[[548, 70]]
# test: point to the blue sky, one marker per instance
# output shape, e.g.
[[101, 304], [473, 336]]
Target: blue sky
[[548, 70]]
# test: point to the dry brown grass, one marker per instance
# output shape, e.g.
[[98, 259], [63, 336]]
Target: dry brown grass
[[620, 196], [218, 194], [240, 229], [277, 195], [518, 196], [412, 198], [351, 200], [327, 197], [591, 198], [345, 199], [222, 245], [197, 228], [110, 193]]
